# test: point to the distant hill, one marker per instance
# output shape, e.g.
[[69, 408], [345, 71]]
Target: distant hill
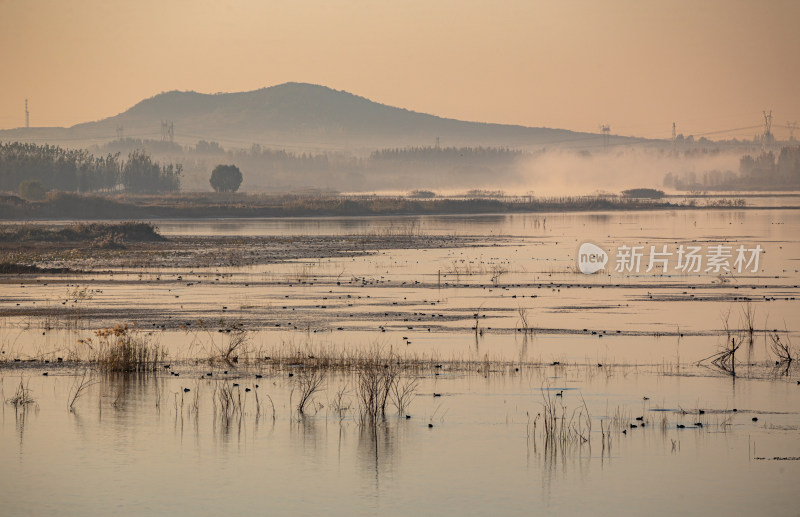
[[300, 115]]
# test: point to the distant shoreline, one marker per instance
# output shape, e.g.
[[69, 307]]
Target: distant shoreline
[[69, 206]]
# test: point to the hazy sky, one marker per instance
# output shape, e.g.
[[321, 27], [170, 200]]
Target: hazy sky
[[637, 65]]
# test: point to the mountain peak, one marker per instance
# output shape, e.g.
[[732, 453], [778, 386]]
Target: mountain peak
[[304, 114]]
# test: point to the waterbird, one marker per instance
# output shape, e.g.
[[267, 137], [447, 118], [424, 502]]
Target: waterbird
[[560, 393], [681, 426], [437, 394], [430, 425], [186, 390], [634, 426], [639, 418], [755, 419]]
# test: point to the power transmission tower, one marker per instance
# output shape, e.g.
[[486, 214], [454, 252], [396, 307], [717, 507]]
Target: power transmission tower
[[674, 136], [27, 115], [606, 129], [120, 132], [791, 126], [767, 139], [167, 131]]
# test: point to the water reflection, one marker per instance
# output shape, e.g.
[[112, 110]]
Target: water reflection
[[483, 440]]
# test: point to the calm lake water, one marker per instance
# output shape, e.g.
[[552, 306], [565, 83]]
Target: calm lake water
[[628, 342]]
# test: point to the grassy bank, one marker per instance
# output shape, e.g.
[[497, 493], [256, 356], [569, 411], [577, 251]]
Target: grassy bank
[[129, 231], [74, 206]]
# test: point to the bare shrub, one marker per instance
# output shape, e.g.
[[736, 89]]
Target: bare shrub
[[403, 392], [376, 377], [310, 381], [79, 389]]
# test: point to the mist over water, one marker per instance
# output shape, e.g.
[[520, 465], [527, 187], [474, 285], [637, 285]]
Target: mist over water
[[566, 172]]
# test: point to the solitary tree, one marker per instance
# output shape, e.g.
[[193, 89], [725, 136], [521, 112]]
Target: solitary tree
[[226, 178]]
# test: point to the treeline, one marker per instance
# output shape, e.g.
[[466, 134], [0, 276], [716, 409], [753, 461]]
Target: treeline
[[56, 168], [447, 155], [761, 172], [257, 158], [282, 160], [76, 170], [783, 169], [140, 174], [128, 145]]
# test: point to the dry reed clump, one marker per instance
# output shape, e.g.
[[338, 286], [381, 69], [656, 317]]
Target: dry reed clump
[[228, 403], [22, 397], [233, 344], [329, 358], [132, 231], [122, 349], [562, 427]]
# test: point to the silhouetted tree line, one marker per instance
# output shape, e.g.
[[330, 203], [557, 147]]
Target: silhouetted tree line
[[766, 167], [128, 145], [76, 170], [140, 174], [56, 168], [486, 156], [764, 171], [258, 159], [205, 147]]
